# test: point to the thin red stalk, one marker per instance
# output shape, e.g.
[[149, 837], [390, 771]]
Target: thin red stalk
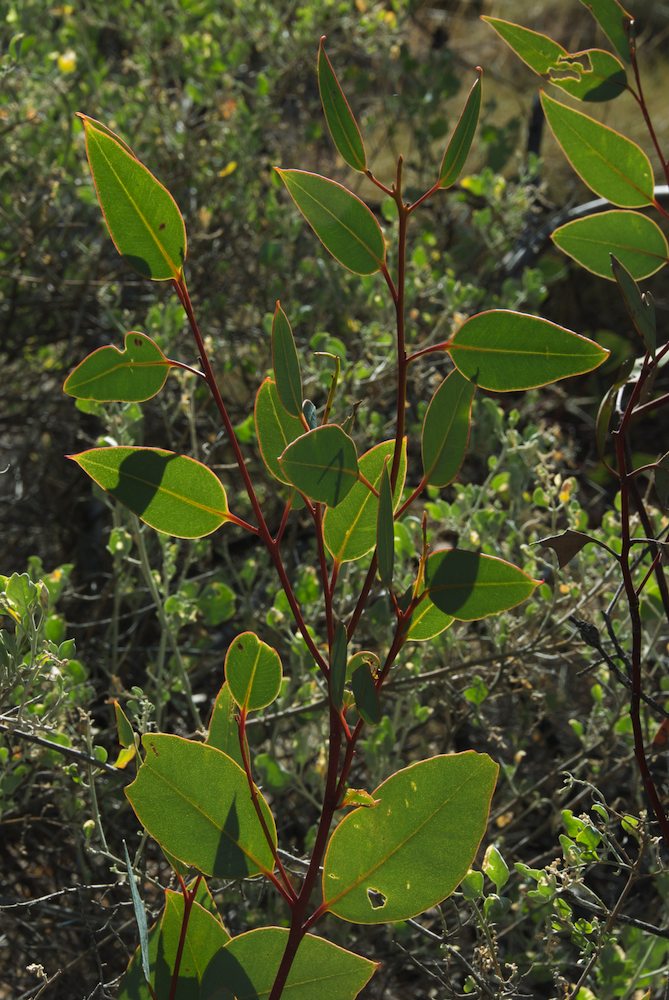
[[432, 349], [641, 101]]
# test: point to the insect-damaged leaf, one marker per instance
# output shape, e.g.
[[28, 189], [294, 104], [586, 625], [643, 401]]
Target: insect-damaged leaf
[[253, 671], [132, 375]]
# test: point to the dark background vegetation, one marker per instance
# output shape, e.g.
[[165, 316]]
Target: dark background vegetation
[[211, 95]]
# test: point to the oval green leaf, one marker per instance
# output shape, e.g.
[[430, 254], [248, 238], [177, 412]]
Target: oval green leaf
[[611, 165], [286, 363], [171, 493], [365, 694], [322, 464], [385, 530], [461, 141], [612, 19], [223, 733], [506, 351], [343, 223], [275, 428], [246, 969], [446, 429], [195, 801], [409, 852], [470, 586], [349, 530], [132, 375], [341, 122], [253, 672], [637, 242], [427, 621], [143, 218]]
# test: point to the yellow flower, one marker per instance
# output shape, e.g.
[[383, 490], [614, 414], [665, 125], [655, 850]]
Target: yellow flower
[[67, 61]]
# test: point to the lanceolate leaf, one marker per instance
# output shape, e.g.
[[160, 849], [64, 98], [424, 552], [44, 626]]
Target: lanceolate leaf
[[609, 163], [132, 375], [253, 671], [142, 216], [205, 937], [613, 19], [338, 665], [195, 801], [246, 969], [286, 363], [641, 309], [343, 126], [505, 351], [637, 242], [350, 528], [412, 849], [322, 464], [446, 429], [537, 51], [223, 733], [366, 695], [470, 585], [462, 138], [172, 493], [275, 428], [385, 530], [343, 223]]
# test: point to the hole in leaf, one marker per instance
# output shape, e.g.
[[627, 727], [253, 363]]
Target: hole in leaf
[[376, 898]]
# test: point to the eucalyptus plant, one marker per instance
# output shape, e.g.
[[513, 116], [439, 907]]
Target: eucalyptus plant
[[379, 855]]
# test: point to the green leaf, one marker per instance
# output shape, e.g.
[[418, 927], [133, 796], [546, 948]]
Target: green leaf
[[365, 694], [349, 530], [286, 363], [223, 733], [275, 428], [427, 621], [143, 219], [125, 732], [636, 241], [641, 309], [322, 464], [195, 801], [246, 969], [253, 672], [446, 429], [505, 351], [341, 122], [463, 135], [205, 937], [612, 19], [611, 165], [470, 585], [343, 223], [140, 918], [132, 375], [495, 867], [363, 658], [537, 51], [412, 850], [385, 530], [172, 493], [338, 665]]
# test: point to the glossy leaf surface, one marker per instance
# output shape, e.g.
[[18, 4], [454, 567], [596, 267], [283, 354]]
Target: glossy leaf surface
[[223, 733], [412, 850], [350, 528], [446, 429], [247, 967], [275, 428], [640, 308], [132, 375], [385, 530], [143, 219], [286, 363], [205, 937], [506, 351], [322, 464], [341, 122], [611, 165], [461, 141], [470, 585], [171, 493], [253, 672], [195, 801], [343, 223], [612, 19], [637, 242]]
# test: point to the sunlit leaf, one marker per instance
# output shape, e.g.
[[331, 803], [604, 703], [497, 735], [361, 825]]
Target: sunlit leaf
[[134, 374], [286, 363], [613, 19], [343, 223], [537, 51], [637, 242], [411, 850], [611, 165], [143, 219], [461, 141], [124, 730], [446, 429], [505, 351], [223, 733], [470, 585], [195, 801], [172, 493], [341, 122], [322, 464], [275, 428], [253, 672], [427, 621]]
